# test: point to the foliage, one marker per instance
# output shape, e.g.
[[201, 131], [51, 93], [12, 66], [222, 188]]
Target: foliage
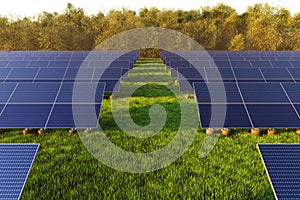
[[262, 26]]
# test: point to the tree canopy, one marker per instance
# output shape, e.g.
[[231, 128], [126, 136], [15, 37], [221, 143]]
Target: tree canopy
[[261, 27]]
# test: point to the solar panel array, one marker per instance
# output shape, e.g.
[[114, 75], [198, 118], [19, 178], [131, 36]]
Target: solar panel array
[[15, 164], [41, 89], [282, 163], [262, 88]]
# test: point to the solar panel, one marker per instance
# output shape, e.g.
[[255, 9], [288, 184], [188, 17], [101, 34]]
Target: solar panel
[[236, 116], [15, 164], [293, 91], [248, 74], [273, 116], [261, 64], [203, 95], [267, 105], [276, 74], [238, 64], [282, 164], [63, 116], [263, 93], [35, 93]]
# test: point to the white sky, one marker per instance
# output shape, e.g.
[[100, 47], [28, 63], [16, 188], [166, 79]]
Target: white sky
[[21, 8]]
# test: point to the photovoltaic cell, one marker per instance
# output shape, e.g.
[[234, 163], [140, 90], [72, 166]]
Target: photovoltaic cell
[[282, 164], [15, 164], [261, 64]]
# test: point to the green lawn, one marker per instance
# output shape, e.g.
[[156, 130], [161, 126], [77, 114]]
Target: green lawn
[[63, 168]]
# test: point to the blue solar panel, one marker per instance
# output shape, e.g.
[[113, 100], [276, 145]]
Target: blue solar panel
[[51, 73], [179, 63], [263, 93], [35, 92], [17, 63], [293, 91], [58, 64], [191, 73], [262, 64], [83, 93], [25, 115], [22, 73], [296, 63], [6, 89], [238, 64], [37, 63], [282, 163], [15, 164], [248, 74], [295, 72], [200, 63], [109, 73], [3, 63], [273, 116], [276, 74], [222, 64], [217, 74], [79, 73], [236, 116], [204, 91], [62, 116], [281, 64]]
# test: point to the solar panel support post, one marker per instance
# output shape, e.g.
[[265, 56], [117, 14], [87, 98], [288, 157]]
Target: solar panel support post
[[87, 131], [271, 131], [40, 131], [210, 131], [225, 131], [72, 130], [25, 131], [255, 131]]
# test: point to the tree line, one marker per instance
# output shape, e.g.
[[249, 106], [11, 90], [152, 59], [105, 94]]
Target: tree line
[[261, 27]]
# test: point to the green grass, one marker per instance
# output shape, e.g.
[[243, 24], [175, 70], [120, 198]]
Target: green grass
[[64, 169]]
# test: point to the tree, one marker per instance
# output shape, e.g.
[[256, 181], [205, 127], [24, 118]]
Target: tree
[[237, 43]]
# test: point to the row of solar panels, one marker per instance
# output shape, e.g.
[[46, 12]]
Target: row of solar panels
[[69, 53], [233, 64], [50, 94], [50, 105], [67, 63], [256, 105], [257, 97], [187, 76], [230, 53], [110, 76]]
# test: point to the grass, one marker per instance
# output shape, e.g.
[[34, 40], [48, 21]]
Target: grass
[[64, 169]]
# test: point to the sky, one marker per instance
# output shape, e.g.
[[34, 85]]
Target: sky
[[30, 8]]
